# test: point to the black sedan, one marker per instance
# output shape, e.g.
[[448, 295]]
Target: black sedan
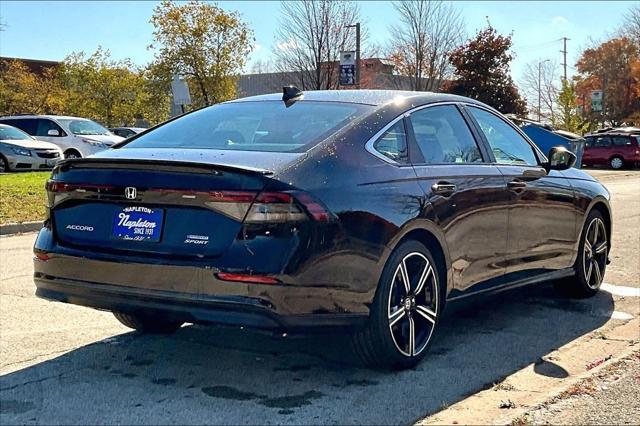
[[363, 211]]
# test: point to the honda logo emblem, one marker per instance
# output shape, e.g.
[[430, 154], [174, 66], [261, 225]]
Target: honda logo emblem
[[130, 192]]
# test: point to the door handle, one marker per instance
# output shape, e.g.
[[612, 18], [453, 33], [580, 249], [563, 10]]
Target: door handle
[[443, 188], [517, 184]]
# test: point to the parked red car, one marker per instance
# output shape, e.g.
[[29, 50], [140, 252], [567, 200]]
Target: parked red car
[[616, 148]]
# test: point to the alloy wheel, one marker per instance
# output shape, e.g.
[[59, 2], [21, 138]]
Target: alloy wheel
[[594, 259], [3, 166], [413, 304], [616, 163]]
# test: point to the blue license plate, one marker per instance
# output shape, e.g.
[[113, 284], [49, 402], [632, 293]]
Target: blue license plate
[[138, 223]]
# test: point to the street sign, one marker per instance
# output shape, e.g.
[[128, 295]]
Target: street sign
[[180, 91], [596, 100], [348, 68]]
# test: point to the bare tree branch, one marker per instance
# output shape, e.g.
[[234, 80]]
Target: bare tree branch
[[311, 35], [428, 31], [549, 87]]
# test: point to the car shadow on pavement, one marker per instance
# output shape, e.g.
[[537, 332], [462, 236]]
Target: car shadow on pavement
[[220, 375]]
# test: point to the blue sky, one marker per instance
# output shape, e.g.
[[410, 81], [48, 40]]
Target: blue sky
[[51, 30]]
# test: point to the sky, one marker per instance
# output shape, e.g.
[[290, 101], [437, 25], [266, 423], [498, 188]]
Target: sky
[[51, 30]]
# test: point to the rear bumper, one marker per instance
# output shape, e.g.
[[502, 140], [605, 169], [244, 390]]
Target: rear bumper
[[224, 310]]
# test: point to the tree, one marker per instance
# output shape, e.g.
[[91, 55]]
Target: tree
[[203, 43], [613, 66], [109, 91], [631, 24], [568, 115], [482, 72], [23, 91], [310, 37], [541, 82], [420, 45]]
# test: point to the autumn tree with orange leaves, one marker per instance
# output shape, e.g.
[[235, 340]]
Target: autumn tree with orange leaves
[[615, 67]]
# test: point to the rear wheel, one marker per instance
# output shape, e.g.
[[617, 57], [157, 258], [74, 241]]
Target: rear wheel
[[405, 310], [616, 163], [148, 323], [591, 263]]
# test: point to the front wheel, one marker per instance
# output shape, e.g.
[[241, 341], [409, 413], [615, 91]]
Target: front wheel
[[591, 262], [148, 323], [4, 165], [405, 310]]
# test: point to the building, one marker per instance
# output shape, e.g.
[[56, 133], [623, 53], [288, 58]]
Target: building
[[36, 66], [376, 73]]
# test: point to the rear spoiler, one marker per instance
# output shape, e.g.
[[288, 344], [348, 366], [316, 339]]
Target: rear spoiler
[[145, 164]]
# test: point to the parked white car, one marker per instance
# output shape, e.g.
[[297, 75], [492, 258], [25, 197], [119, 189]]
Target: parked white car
[[19, 151], [77, 137]]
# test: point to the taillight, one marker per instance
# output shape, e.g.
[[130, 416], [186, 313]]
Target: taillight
[[267, 207], [53, 186]]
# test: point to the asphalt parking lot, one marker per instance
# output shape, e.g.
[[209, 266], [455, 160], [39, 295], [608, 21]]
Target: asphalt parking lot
[[66, 364]]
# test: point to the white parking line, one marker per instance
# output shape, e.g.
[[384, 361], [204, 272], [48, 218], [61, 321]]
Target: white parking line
[[619, 290]]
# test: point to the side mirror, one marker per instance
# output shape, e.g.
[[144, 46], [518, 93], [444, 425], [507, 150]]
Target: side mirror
[[560, 158], [53, 132]]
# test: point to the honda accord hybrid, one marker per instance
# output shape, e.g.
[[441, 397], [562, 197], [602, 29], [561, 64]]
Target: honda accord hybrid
[[360, 211]]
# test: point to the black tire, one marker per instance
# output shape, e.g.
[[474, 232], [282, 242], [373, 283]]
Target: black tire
[[72, 153], [591, 262], [148, 323], [616, 163], [382, 343], [4, 165]]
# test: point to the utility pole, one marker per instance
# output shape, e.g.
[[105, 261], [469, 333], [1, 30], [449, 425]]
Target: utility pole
[[540, 87], [564, 52], [357, 26]]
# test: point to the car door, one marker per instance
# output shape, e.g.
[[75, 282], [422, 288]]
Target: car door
[[542, 214], [466, 192]]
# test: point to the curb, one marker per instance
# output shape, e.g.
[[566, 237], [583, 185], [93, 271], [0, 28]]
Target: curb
[[20, 228], [527, 390]]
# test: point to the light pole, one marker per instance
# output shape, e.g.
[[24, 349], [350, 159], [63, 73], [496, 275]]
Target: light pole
[[539, 86], [357, 26]]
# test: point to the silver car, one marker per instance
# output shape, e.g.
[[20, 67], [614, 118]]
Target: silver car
[[19, 151]]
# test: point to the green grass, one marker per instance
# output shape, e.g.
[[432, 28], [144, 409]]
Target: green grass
[[22, 196]]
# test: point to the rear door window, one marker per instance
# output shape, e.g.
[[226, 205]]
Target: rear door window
[[621, 141], [27, 125], [602, 141], [443, 136], [393, 143]]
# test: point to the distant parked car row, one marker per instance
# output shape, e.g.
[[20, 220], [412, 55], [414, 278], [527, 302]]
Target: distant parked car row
[[34, 142]]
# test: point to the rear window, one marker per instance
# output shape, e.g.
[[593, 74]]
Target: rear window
[[254, 126]]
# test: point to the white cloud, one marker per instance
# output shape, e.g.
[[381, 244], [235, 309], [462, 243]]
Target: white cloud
[[559, 20], [256, 47], [286, 45]]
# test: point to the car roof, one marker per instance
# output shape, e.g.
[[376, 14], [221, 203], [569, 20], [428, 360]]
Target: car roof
[[367, 97], [62, 117]]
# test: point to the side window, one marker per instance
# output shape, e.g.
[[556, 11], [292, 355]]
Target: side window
[[443, 136], [25, 124], [508, 146], [45, 125], [621, 141], [588, 142], [393, 143], [602, 141]]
